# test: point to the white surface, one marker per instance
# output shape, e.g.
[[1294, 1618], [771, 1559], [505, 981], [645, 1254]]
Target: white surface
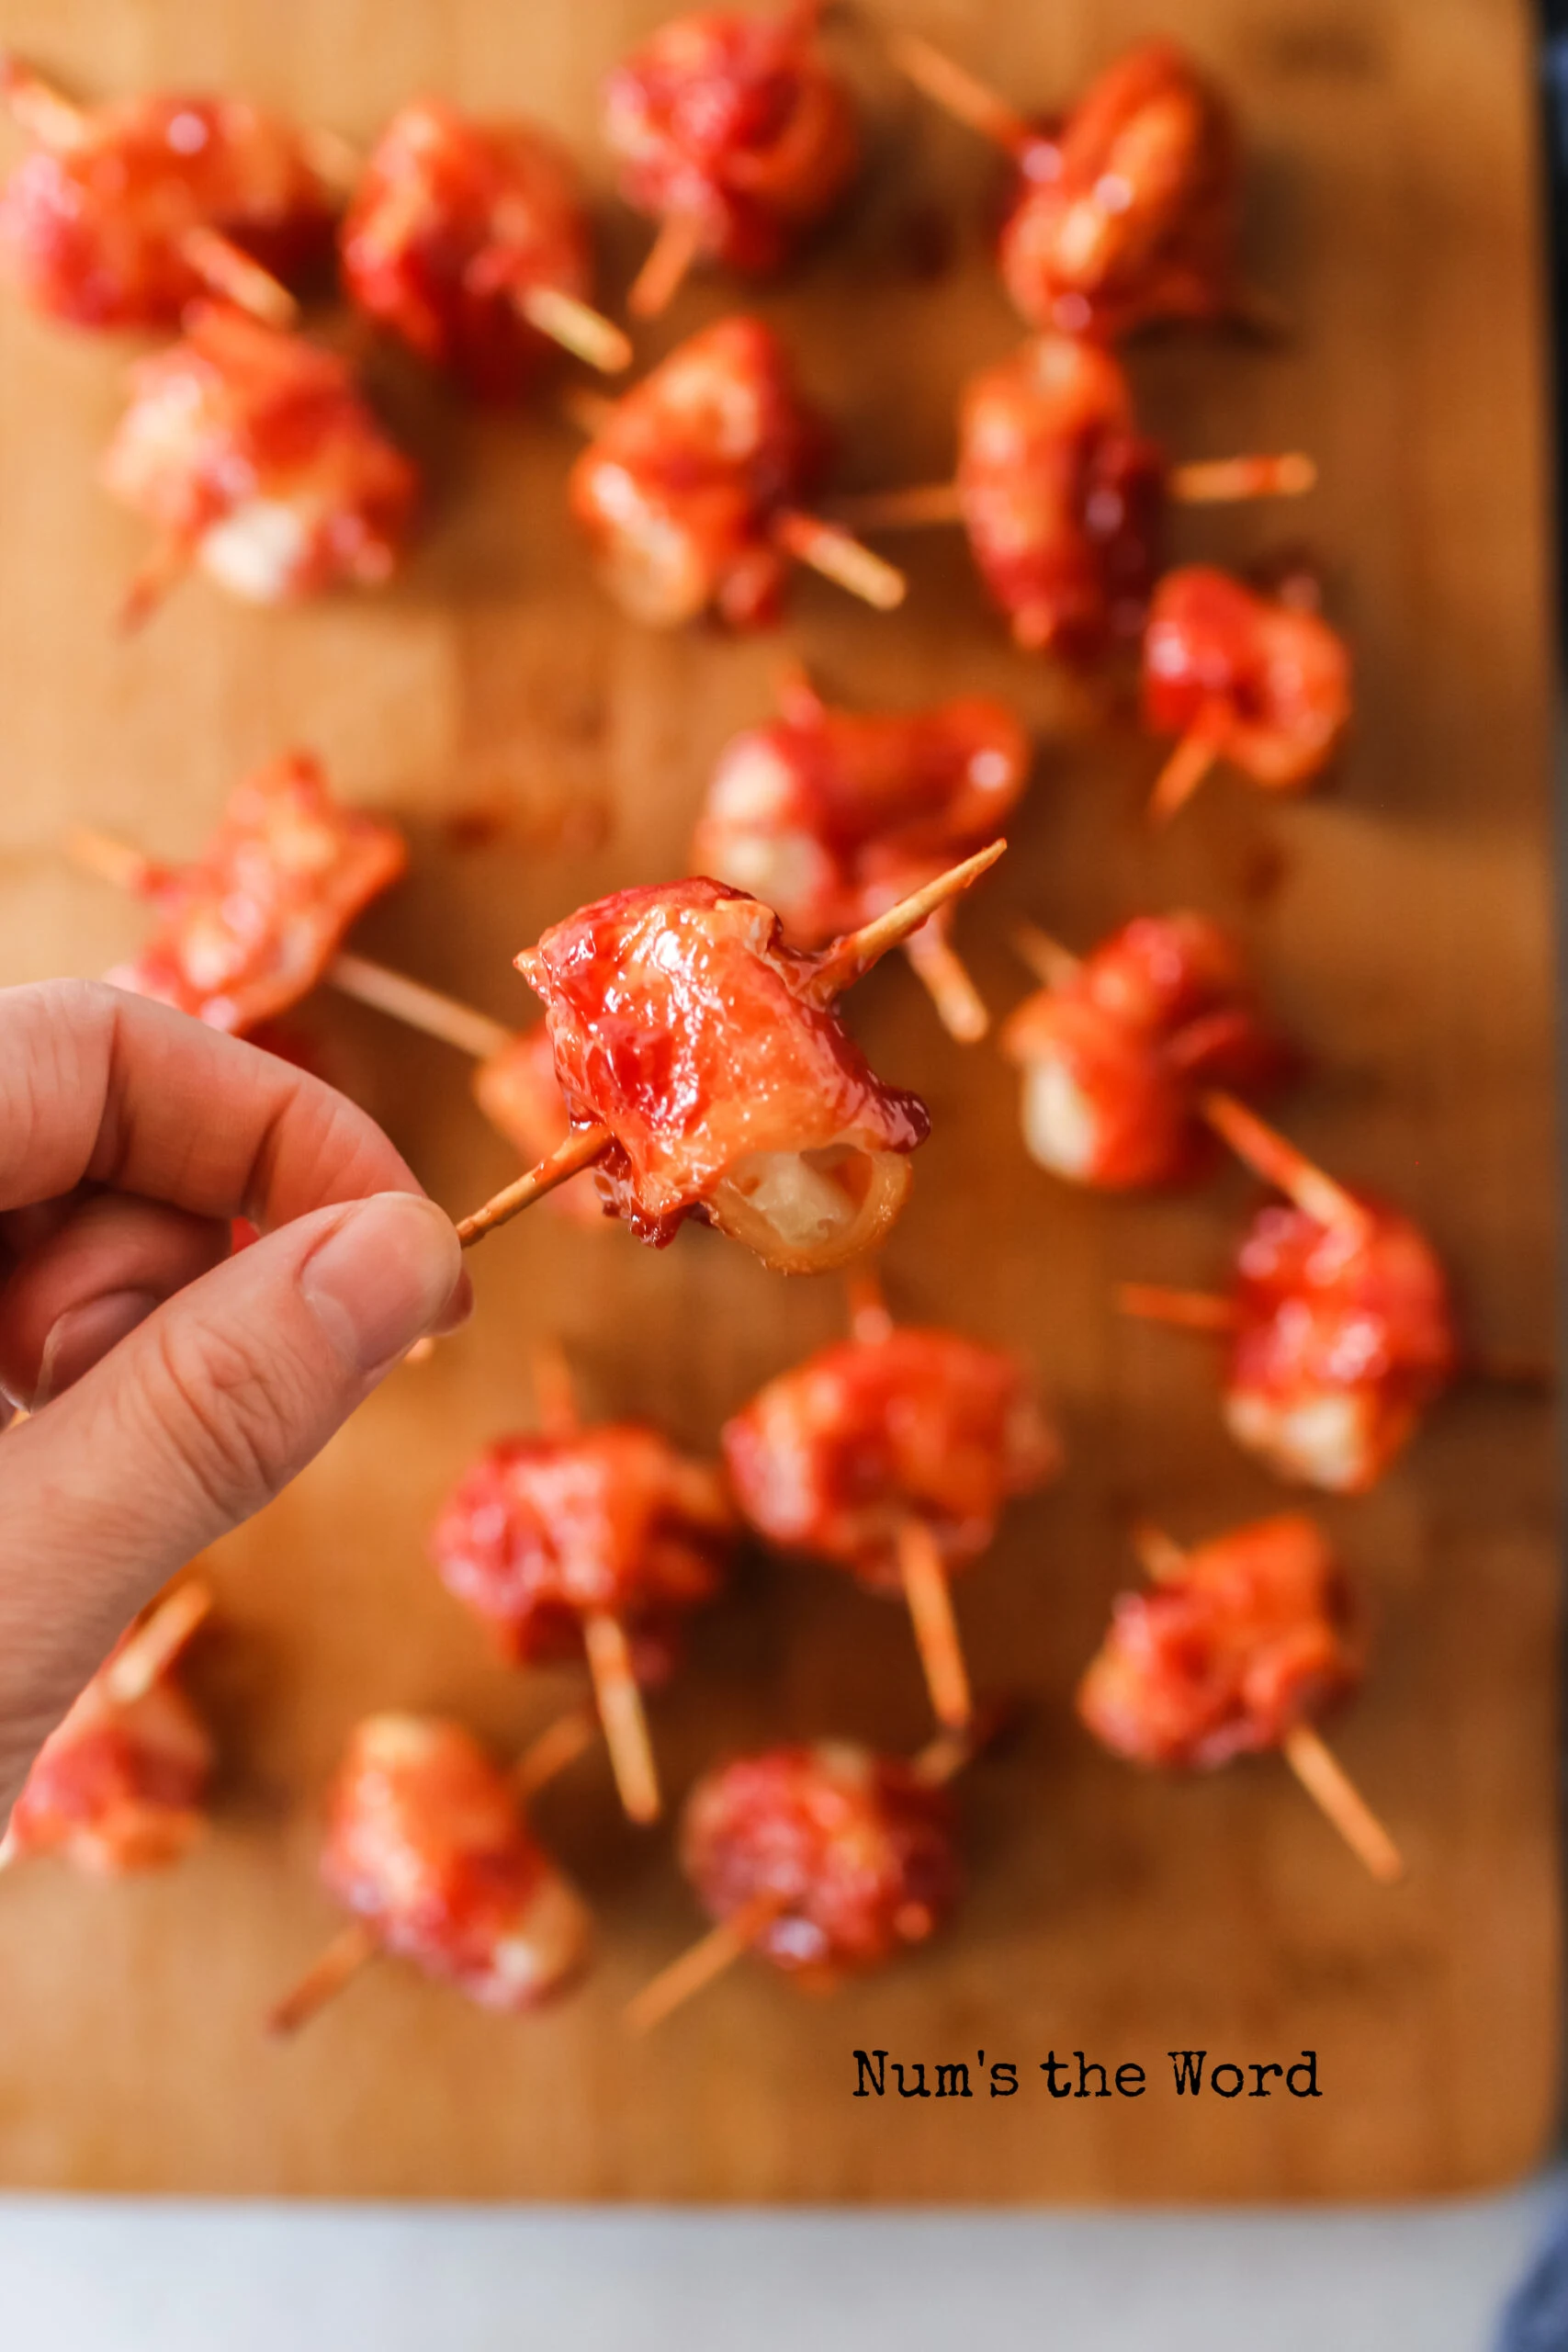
[[119, 2278]]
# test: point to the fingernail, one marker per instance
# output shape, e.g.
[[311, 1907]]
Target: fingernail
[[85, 1333], [388, 1272]]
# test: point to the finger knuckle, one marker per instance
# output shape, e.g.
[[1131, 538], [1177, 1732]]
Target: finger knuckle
[[229, 1408]]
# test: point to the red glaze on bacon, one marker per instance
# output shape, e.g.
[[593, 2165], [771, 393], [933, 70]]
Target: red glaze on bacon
[[832, 816], [250, 927], [121, 1784], [1116, 1057], [1128, 214], [251, 452], [1345, 1335], [452, 221], [1268, 684], [1248, 1640], [1062, 497], [518, 1092], [859, 1850], [95, 232], [681, 490], [833, 1456], [735, 126], [426, 1841], [542, 1531], [682, 1023]]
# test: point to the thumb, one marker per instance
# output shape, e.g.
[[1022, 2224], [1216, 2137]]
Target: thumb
[[190, 1425]]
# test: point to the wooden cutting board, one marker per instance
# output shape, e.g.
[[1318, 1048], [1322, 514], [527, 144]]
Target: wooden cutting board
[[540, 751]]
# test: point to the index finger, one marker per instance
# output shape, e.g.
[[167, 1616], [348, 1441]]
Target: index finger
[[102, 1088]]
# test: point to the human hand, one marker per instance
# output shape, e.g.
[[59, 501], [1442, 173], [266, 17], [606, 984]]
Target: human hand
[[174, 1388]]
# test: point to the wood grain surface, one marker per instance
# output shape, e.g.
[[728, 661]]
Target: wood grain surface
[[540, 751]]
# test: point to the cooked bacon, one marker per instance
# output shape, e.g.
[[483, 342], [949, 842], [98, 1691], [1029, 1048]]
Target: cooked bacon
[[1117, 1054], [832, 816], [681, 1021], [680, 490], [1266, 683], [252, 454], [857, 1849], [1128, 212], [99, 231], [426, 1841], [1344, 1335], [1249, 1637], [120, 1785], [541, 1533], [1062, 497], [733, 126], [453, 222], [518, 1092], [834, 1456], [250, 927]]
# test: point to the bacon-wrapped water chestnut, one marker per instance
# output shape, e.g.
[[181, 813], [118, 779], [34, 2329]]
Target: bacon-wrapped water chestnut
[[469, 241], [690, 493], [735, 135], [891, 1454], [832, 816], [1257, 680], [426, 1844], [1238, 1646], [1064, 500], [254, 456], [825, 1859], [854, 1852], [253, 925], [121, 1784], [589, 1542], [543, 1532], [124, 213], [706, 1075], [1240, 1640], [1339, 1328], [1119, 1047], [1126, 212]]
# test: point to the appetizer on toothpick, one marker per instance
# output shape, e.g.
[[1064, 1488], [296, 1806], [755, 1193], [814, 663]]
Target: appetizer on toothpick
[[735, 136], [1239, 1647], [428, 1847], [706, 1074], [258, 920], [1339, 1329], [1125, 212], [1262, 681], [691, 492], [1119, 1047], [830, 816], [469, 241], [253, 458], [1063, 499], [826, 1860], [120, 1785], [891, 1454], [124, 213], [589, 1543]]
